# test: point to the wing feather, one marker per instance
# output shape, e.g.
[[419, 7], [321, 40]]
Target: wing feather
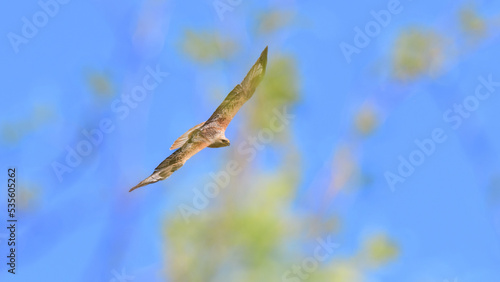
[[175, 161], [241, 93], [185, 137]]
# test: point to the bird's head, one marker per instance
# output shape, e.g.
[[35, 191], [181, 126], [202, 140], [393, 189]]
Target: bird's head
[[225, 142]]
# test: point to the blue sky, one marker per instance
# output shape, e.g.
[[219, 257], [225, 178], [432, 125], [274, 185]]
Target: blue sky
[[443, 217]]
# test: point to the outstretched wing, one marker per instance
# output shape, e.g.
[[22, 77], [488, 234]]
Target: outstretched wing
[[175, 161], [240, 94], [185, 137]]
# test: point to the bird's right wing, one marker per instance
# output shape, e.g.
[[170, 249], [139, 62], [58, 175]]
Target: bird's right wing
[[240, 94], [175, 161]]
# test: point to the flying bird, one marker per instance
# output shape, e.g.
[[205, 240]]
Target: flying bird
[[210, 133]]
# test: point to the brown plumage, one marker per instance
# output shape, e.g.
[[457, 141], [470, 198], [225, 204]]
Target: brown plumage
[[212, 132]]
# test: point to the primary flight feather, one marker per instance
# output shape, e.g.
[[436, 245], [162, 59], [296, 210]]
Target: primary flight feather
[[210, 133]]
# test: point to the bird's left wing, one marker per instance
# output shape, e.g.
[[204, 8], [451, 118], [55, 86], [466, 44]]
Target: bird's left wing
[[175, 161], [240, 94]]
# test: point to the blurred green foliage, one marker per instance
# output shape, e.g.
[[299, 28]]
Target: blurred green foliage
[[242, 240], [28, 199], [207, 46], [100, 84], [14, 131], [471, 23], [250, 232], [418, 52], [280, 88], [379, 249], [272, 21], [366, 120]]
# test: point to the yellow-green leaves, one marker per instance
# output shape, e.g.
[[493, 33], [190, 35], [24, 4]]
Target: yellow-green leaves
[[207, 46], [418, 52]]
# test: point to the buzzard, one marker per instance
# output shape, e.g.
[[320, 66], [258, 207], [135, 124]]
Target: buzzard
[[210, 133]]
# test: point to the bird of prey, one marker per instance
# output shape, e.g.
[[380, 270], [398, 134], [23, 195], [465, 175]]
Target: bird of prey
[[210, 133]]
